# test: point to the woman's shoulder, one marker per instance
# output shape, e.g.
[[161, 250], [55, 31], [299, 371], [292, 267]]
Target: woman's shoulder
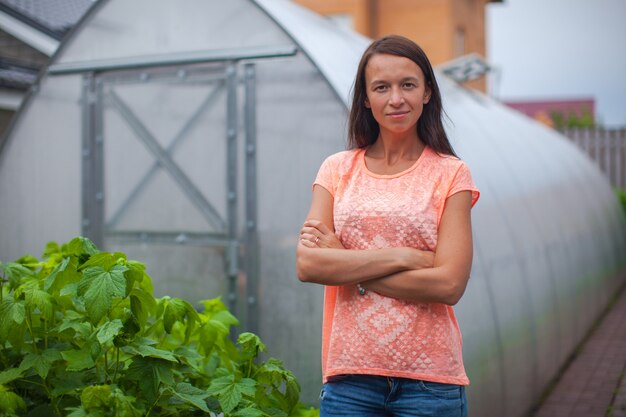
[[344, 155], [445, 161], [343, 160]]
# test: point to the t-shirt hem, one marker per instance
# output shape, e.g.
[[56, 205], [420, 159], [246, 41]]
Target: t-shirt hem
[[442, 379]]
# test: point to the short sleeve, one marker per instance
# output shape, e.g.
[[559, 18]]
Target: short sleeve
[[326, 176], [463, 182]]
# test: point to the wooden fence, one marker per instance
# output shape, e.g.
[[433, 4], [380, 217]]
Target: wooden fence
[[607, 147]]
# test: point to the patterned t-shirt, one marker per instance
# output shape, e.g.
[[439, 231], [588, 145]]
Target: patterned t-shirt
[[375, 334]]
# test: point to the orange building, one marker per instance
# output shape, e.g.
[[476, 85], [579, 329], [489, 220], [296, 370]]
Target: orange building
[[445, 29]]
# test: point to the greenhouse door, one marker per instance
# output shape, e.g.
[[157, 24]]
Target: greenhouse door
[[169, 170]]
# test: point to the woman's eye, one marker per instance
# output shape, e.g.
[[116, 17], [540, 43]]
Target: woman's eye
[[380, 88], [409, 85]]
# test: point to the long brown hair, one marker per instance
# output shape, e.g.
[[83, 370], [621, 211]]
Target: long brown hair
[[363, 129]]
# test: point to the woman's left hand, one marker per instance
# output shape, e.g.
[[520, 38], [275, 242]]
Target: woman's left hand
[[315, 234]]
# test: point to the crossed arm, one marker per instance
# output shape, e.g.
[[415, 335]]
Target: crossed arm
[[405, 273]]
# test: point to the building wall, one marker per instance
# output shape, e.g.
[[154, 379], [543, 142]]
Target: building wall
[[427, 22], [359, 10], [468, 18], [445, 29], [16, 50]]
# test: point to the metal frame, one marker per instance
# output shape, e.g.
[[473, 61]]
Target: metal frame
[[93, 163], [98, 74], [188, 58], [252, 239]]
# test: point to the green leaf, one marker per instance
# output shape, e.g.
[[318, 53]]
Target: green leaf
[[192, 395], [135, 273], [251, 345], [226, 319], [42, 300], [76, 412], [174, 311], [11, 312], [77, 360], [10, 402], [69, 290], [52, 248], [150, 374], [216, 310], [80, 246], [292, 392], [75, 321], [273, 373], [142, 304], [65, 382], [29, 261], [249, 412], [129, 330], [14, 272], [109, 330], [104, 260], [150, 352], [99, 286], [10, 375], [63, 274], [229, 392], [125, 404], [303, 411], [40, 363], [95, 397]]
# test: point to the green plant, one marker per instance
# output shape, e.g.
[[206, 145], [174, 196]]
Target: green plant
[[573, 120], [81, 334], [621, 196]]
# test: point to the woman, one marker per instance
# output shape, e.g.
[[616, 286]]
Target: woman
[[389, 235]]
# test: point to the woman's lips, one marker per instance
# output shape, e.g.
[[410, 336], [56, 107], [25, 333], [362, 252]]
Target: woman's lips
[[397, 114]]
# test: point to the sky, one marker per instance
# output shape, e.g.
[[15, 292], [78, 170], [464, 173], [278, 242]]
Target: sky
[[560, 49]]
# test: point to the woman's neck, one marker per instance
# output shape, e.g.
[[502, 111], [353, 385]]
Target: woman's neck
[[396, 148]]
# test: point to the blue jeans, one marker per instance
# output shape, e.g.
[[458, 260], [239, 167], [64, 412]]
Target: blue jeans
[[376, 396]]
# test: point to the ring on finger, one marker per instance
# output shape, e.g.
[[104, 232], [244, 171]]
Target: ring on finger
[[317, 239]]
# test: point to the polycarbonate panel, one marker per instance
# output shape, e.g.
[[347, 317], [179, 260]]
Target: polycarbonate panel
[[335, 52], [482, 351], [184, 116], [119, 29], [537, 274], [300, 122], [560, 239], [504, 267], [40, 176], [193, 273]]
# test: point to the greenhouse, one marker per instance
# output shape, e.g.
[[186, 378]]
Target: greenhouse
[[188, 136]]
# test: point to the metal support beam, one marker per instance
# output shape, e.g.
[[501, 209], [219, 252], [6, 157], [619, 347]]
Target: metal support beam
[[178, 139], [231, 183], [165, 160], [169, 238], [251, 237], [187, 58], [92, 161]]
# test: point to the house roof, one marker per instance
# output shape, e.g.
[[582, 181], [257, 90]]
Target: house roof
[[13, 75], [51, 17], [37, 25]]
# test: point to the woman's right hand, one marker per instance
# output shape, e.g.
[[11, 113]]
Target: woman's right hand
[[315, 234], [417, 259]]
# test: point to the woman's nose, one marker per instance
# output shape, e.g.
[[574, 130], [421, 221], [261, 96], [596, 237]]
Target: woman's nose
[[396, 98]]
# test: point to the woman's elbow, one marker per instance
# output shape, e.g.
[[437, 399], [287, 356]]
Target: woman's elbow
[[455, 291], [302, 272], [303, 265]]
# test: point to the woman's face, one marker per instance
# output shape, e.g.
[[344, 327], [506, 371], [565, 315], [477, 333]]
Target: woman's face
[[396, 92]]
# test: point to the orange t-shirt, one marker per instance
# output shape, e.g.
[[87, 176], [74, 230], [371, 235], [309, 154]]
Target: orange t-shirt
[[379, 335]]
